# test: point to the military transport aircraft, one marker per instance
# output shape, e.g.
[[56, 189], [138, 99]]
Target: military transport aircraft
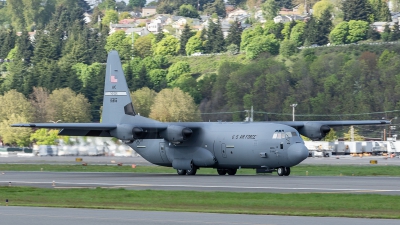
[[188, 146]]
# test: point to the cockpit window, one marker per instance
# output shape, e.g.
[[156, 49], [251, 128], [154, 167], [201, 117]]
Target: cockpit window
[[281, 134]]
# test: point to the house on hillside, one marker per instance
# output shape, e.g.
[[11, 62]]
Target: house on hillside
[[395, 17], [258, 15], [160, 19], [149, 10], [87, 17], [237, 13], [141, 31], [124, 27], [154, 27], [204, 18], [288, 18], [127, 21], [380, 26], [172, 19]]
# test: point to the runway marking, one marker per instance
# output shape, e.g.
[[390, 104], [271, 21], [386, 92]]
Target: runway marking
[[207, 186], [125, 219]]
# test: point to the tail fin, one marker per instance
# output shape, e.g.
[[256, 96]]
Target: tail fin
[[117, 100]]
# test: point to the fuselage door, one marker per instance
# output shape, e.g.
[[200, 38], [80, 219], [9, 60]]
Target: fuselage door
[[223, 150], [163, 152]]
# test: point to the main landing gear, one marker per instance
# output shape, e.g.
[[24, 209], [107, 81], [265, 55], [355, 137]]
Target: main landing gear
[[188, 172], [283, 171], [227, 171]]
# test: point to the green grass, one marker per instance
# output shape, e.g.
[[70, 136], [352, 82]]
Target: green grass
[[337, 205], [301, 170]]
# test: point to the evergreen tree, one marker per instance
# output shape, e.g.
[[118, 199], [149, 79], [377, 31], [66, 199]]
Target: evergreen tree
[[270, 9], [96, 18], [140, 78], [209, 35], [235, 34], [311, 32], [395, 34], [97, 41], [44, 48], [324, 27], [385, 12], [25, 47], [373, 34], [356, 10], [8, 43], [159, 36], [219, 42], [186, 34], [137, 3], [203, 35], [386, 33], [215, 38]]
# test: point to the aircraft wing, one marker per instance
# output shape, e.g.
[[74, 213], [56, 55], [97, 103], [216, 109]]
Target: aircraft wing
[[298, 124], [74, 129], [316, 130]]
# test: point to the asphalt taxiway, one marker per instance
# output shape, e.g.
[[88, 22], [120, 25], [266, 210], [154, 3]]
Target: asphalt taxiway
[[238, 183], [67, 216], [102, 160]]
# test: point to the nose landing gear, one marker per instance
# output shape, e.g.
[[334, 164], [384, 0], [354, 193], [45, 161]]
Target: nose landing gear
[[283, 171]]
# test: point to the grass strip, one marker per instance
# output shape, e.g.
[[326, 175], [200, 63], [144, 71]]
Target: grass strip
[[300, 170], [310, 204]]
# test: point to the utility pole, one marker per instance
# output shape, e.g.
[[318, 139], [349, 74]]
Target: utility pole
[[294, 106], [132, 43], [351, 133], [252, 114]]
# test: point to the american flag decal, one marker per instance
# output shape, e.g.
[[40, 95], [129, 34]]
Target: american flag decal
[[114, 79]]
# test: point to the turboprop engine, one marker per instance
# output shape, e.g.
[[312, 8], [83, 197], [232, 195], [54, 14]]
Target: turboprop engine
[[314, 130], [127, 132], [176, 134]]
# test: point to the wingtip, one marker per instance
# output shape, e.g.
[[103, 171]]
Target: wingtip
[[23, 125]]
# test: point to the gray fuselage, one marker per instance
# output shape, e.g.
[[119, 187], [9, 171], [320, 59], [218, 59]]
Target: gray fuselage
[[229, 145]]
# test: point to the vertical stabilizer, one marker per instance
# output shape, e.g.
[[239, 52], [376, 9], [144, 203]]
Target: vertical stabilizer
[[117, 101]]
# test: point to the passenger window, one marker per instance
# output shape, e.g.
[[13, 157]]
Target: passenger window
[[275, 136]]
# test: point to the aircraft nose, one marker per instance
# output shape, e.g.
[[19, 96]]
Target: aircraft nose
[[297, 153]]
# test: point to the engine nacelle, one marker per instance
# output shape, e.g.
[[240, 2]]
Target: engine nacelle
[[176, 134], [127, 132], [314, 130]]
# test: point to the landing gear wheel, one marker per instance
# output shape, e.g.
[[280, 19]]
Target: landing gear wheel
[[221, 171], [287, 171], [232, 171], [191, 171], [281, 171], [181, 172]]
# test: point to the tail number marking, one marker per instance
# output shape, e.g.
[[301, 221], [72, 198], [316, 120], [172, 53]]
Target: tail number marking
[[115, 93]]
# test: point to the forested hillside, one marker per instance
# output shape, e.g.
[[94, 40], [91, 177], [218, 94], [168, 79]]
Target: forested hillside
[[59, 76]]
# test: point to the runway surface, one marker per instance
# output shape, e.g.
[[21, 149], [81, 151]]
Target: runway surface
[[339, 160], [66, 216], [238, 183]]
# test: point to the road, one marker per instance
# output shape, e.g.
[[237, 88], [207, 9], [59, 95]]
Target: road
[[66, 216]]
